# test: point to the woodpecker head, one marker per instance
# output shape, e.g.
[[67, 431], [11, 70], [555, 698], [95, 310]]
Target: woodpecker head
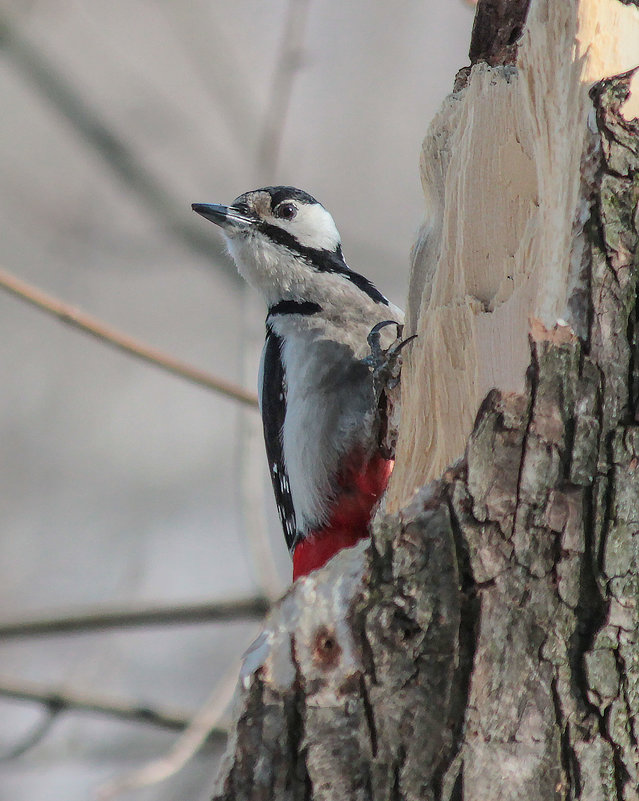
[[282, 241]]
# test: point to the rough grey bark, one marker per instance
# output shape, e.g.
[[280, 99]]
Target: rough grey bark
[[358, 694], [497, 27], [486, 645]]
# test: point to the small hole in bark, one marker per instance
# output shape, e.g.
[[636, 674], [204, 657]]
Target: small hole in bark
[[326, 649], [406, 628], [514, 34]]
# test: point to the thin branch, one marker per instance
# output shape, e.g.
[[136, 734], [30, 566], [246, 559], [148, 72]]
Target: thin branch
[[91, 325], [249, 609], [287, 69], [35, 736], [196, 734], [54, 88], [81, 702]]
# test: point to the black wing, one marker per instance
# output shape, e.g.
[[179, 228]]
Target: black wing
[[273, 403]]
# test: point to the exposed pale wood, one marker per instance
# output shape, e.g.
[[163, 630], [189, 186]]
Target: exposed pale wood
[[503, 237]]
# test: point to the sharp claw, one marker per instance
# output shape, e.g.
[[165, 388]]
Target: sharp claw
[[385, 366], [396, 347], [383, 362], [377, 328], [374, 335], [376, 359]]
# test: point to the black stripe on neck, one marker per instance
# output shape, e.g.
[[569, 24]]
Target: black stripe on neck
[[324, 261], [305, 307]]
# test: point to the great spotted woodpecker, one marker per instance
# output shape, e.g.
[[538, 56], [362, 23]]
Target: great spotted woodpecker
[[319, 403]]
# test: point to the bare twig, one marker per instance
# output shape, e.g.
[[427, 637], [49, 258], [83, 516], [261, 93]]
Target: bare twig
[[287, 69], [120, 617], [35, 736], [61, 95], [80, 702], [196, 734], [90, 325]]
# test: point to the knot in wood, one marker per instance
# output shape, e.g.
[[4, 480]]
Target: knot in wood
[[326, 649]]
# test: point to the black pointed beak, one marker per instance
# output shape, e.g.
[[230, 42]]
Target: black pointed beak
[[225, 216]]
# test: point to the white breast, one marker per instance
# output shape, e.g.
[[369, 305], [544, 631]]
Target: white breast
[[329, 411], [330, 405]]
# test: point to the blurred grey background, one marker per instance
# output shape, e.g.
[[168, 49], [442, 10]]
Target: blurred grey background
[[121, 484]]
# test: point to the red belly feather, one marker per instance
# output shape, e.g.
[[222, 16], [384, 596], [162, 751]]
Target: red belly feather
[[360, 487]]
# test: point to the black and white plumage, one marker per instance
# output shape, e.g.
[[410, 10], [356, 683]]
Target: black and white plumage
[[317, 399]]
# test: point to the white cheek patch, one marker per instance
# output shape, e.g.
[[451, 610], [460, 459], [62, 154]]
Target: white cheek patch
[[313, 227]]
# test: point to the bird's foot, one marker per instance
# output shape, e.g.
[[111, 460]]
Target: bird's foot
[[386, 363]]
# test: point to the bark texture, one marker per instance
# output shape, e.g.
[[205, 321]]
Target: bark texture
[[486, 644], [549, 512], [352, 691], [498, 26]]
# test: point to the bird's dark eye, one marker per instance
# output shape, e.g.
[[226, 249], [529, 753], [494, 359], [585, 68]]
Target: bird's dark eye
[[286, 211]]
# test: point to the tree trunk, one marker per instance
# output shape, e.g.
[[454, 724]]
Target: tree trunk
[[486, 645]]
